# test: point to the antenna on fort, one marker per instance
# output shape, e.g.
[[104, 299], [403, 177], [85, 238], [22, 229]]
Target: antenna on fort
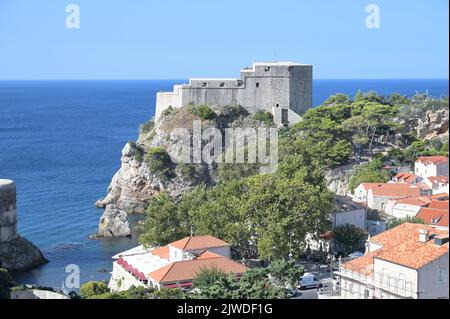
[[192, 231]]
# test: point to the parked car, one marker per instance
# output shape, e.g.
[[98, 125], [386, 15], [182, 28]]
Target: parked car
[[308, 280]]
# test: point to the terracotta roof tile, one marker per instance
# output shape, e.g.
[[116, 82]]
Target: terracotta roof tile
[[401, 245], [198, 242], [187, 270], [162, 252], [406, 177], [392, 189], [431, 216], [432, 159]]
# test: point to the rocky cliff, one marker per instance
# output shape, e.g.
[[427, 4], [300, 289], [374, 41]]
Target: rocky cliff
[[114, 223], [434, 126], [134, 185], [20, 254], [16, 253]]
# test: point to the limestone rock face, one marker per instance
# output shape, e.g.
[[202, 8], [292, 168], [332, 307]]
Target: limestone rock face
[[338, 179], [20, 254], [113, 223], [134, 184], [434, 126]]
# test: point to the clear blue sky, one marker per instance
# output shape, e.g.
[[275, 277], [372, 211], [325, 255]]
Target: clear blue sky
[[177, 39]]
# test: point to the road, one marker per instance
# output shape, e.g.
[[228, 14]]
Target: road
[[323, 275]]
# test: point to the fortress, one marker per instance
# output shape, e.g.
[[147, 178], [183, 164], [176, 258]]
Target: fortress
[[16, 253], [281, 88], [8, 220]]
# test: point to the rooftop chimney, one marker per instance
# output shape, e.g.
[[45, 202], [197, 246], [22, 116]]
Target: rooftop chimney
[[423, 235]]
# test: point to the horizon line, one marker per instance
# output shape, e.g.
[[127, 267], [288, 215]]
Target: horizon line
[[178, 79]]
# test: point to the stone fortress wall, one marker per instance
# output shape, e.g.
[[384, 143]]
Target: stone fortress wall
[[8, 218], [282, 88]]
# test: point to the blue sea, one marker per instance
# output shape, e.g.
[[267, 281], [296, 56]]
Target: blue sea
[[61, 142]]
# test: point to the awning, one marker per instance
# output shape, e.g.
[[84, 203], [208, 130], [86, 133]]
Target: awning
[[171, 286]]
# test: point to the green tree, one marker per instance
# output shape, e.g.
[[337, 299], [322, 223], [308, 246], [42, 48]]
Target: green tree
[[164, 223], [398, 221], [285, 272], [169, 293], [349, 237], [371, 172], [213, 283], [263, 116], [6, 282], [158, 161], [204, 112], [93, 288]]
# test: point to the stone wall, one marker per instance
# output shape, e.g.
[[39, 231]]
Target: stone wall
[[16, 253], [265, 86], [8, 220]]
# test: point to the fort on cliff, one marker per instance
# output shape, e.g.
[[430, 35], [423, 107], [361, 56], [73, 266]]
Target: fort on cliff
[[281, 88]]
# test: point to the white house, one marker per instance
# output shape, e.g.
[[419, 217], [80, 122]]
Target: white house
[[408, 261], [173, 265], [377, 195], [426, 166]]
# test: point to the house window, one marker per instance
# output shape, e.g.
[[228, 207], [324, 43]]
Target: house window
[[267, 68], [257, 84], [204, 84], [222, 84], [443, 274], [434, 221]]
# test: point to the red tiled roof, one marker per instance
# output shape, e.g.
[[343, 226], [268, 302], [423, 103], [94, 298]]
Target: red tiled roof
[[198, 242], [392, 189], [438, 179], [406, 177], [415, 201], [439, 204], [162, 252], [401, 245], [188, 270], [432, 216], [432, 159]]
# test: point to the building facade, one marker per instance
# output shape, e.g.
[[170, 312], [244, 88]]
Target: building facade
[[409, 261], [282, 88], [172, 266], [431, 166]]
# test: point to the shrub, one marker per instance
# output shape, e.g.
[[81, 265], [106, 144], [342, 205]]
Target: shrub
[[204, 112], [263, 116], [5, 283], [169, 293], [147, 127], [93, 288], [167, 111], [350, 237], [186, 170], [398, 221], [158, 161]]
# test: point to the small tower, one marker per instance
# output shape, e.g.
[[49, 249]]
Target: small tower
[[8, 219]]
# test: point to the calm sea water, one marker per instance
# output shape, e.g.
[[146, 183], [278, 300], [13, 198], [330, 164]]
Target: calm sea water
[[61, 142]]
